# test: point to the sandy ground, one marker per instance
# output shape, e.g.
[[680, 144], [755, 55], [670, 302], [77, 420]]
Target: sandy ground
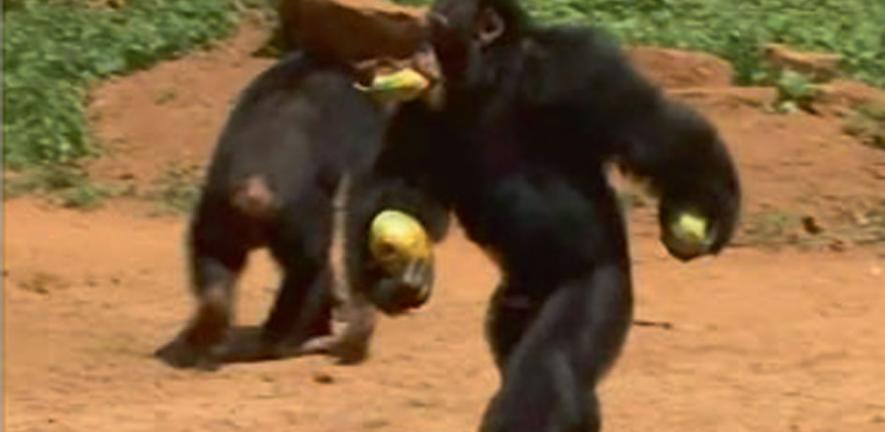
[[758, 339]]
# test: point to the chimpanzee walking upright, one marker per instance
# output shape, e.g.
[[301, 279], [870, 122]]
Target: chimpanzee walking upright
[[532, 116]]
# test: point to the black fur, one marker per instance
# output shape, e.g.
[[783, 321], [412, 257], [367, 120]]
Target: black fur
[[519, 154], [295, 132]]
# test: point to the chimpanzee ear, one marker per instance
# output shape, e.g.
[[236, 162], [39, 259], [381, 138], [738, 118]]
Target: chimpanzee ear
[[489, 26]]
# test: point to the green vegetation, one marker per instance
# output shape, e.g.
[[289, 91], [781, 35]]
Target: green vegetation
[[795, 92], [868, 124], [175, 191], [737, 30], [54, 50], [65, 184], [178, 189]]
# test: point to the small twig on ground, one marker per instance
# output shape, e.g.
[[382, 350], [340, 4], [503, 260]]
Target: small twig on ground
[[647, 323]]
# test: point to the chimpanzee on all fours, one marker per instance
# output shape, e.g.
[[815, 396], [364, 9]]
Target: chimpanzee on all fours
[[532, 116], [296, 131]]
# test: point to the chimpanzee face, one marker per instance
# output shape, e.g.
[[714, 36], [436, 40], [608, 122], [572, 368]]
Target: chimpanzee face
[[460, 31]]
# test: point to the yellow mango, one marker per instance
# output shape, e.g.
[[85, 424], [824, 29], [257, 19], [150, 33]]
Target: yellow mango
[[397, 238], [402, 85], [691, 229]]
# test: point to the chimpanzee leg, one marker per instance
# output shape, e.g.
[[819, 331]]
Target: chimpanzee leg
[[303, 308], [553, 359], [509, 314], [217, 254]]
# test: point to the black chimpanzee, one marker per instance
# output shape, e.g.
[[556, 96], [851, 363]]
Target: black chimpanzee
[[532, 117], [296, 131]]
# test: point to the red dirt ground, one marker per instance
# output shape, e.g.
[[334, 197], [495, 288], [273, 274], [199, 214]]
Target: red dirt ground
[[789, 339]]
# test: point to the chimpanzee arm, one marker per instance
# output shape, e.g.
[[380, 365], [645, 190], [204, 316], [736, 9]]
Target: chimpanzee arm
[[401, 179], [624, 118], [687, 163], [402, 176]]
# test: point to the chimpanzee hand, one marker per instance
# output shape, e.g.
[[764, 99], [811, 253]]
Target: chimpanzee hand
[[407, 289], [402, 253], [692, 231]]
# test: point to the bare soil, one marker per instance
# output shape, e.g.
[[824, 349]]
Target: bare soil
[[785, 335]]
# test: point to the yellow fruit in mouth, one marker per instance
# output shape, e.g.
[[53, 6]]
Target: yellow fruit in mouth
[[396, 239], [402, 85]]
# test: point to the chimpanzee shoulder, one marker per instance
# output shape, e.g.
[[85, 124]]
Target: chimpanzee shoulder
[[568, 65]]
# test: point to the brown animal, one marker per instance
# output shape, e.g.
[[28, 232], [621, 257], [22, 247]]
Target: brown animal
[[370, 35]]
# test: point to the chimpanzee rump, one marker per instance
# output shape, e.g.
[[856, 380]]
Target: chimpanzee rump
[[297, 130], [532, 117]]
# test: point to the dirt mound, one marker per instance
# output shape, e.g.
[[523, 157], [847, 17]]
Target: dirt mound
[[675, 69], [171, 115]]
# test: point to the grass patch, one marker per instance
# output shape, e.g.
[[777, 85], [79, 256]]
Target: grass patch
[[867, 123], [66, 185], [780, 228], [738, 30], [174, 192], [859, 224], [165, 97], [177, 190], [54, 50], [795, 92], [770, 227]]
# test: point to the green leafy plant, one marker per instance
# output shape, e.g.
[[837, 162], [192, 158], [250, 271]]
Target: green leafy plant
[[65, 184], [54, 50], [178, 188], [795, 92], [868, 124], [738, 30]]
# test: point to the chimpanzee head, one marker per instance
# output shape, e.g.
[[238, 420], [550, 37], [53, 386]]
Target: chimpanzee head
[[462, 31]]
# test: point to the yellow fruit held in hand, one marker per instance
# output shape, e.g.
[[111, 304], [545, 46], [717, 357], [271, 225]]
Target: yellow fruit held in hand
[[402, 85], [691, 231], [397, 238]]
